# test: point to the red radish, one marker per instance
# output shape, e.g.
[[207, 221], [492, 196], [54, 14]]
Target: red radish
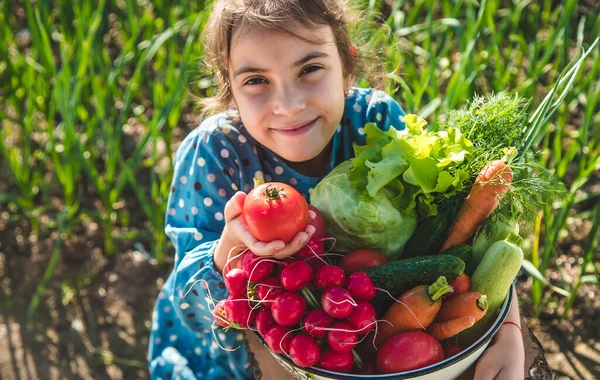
[[281, 264], [311, 250], [256, 268], [342, 341], [315, 321], [451, 349], [267, 290], [316, 264], [361, 259], [318, 221], [278, 339], [296, 276], [240, 260], [329, 276], [489, 188], [407, 351], [336, 361], [363, 317], [361, 286], [337, 302], [264, 321], [236, 282], [304, 350], [239, 311], [288, 308], [220, 313], [460, 284], [274, 211]]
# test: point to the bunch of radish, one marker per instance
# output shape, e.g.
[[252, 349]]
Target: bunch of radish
[[303, 307], [316, 313]]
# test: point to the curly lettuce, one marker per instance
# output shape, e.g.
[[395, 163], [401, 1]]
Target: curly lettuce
[[374, 200]]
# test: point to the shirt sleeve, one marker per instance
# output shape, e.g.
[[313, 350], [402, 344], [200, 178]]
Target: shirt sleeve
[[204, 180], [384, 110]]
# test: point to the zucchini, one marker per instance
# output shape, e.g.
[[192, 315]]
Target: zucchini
[[429, 236], [493, 277], [495, 229], [397, 277], [462, 251]]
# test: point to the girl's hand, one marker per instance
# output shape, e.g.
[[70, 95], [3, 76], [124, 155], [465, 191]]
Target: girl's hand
[[505, 358], [236, 233]]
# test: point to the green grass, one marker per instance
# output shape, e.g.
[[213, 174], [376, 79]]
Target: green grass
[[90, 96]]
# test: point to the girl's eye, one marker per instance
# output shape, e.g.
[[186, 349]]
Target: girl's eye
[[255, 81], [310, 69]]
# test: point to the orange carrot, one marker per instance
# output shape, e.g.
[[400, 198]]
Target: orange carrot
[[447, 329], [460, 284], [414, 310], [470, 304], [489, 188]]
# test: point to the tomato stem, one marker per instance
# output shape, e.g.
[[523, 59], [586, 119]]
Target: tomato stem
[[274, 193]]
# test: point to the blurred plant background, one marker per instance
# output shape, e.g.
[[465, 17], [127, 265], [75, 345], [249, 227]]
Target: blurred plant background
[[96, 95]]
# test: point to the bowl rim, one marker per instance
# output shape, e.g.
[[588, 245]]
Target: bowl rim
[[484, 339]]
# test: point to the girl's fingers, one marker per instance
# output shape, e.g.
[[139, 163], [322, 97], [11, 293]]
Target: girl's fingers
[[238, 229], [310, 230], [234, 207], [294, 246], [277, 248]]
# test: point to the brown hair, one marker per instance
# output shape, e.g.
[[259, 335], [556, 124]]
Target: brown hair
[[272, 15]]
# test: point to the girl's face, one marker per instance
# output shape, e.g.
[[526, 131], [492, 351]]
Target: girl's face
[[289, 92]]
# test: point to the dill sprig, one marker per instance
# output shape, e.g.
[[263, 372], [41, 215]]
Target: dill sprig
[[494, 123], [495, 120], [499, 121]]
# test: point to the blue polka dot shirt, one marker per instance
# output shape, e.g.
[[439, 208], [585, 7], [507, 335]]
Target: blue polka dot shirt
[[214, 161]]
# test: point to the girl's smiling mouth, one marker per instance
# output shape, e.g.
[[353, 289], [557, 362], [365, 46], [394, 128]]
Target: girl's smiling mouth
[[299, 130]]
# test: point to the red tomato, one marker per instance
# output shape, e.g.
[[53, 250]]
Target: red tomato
[[275, 211], [361, 259], [318, 222]]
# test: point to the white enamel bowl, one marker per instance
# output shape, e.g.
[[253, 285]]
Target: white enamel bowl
[[448, 369]]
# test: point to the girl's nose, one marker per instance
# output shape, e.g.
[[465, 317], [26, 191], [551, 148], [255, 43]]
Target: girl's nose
[[288, 101]]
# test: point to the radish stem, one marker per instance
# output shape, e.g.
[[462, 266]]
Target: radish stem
[[357, 359], [310, 298]]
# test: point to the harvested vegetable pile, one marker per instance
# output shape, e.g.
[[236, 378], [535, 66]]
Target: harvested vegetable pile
[[399, 178], [425, 231]]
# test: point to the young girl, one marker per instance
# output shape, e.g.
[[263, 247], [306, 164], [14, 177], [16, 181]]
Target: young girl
[[286, 68]]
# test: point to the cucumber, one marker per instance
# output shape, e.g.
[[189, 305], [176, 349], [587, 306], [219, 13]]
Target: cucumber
[[493, 277], [462, 251], [429, 236], [397, 277], [495, 229]]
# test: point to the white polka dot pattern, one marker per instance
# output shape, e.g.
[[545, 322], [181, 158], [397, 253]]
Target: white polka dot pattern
[[216, 160]]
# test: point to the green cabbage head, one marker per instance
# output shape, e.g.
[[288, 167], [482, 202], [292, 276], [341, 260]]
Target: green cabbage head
[[360, 221]]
